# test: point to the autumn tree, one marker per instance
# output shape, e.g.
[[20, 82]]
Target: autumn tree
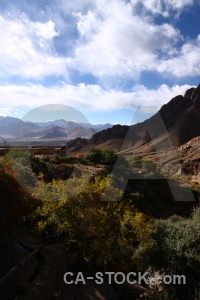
[[100, 229]]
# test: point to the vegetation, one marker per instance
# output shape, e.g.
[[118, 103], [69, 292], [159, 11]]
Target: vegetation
[[101, 230], [138, 163], [25, 159], [105, 157], [94, 156], [80, 155], [55, 159], [109, 157], [120, 233], [176, 251]]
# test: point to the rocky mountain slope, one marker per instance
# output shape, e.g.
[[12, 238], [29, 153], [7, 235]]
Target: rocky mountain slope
[[174, 124]]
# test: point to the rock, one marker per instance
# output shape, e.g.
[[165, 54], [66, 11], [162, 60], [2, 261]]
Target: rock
[[195, 92], [147, 137], [188, 93], [196, 100]]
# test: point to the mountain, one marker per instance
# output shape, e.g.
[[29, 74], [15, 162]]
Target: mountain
[[72, 125], [60, 123], [178, 119], [49, 132], [80, 132], [14, 128], [97, 127]]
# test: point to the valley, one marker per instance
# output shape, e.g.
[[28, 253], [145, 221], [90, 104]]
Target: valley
[[52, 197]]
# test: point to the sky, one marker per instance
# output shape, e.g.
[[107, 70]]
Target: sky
[[102, 58]]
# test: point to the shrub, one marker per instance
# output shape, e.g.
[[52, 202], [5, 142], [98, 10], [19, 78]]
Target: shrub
[[101, 229], [94, 156], [79, 155], [57, 159], [176, 250], [136, 162], [149, 166], [25, 162], [109, 157]]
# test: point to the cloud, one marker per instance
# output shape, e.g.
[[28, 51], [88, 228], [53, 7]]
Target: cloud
[[44, 30], [84, 97], [163, 7], [178, 4], [185, 63], [123, 44], [6, 111], [111, 42], [28, 49]]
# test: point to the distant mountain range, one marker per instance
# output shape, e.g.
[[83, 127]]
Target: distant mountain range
[[16, 129]]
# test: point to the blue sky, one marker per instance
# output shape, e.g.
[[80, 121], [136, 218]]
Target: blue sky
[[102, 58]]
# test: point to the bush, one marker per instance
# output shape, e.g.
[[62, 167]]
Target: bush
[[136, 162], [24, 159], [109, 157], [79, 155], [139, 163], [57, 159], [101, 229], [149, 166], [176, 250], [106, 157]]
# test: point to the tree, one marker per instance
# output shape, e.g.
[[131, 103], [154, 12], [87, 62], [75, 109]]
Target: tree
[[109, 157], [95, 156], [101, 229]]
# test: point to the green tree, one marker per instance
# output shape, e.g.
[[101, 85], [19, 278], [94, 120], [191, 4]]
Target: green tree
[[94, 156], [109, 157]]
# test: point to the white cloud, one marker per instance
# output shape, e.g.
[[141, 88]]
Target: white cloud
[[185, 63], [44, 30], [118, 43], [124, 44], [110, 41], [163, 7], [87, 24], [6, 111], [158, 96], [178, 4], [27, 49], [84, 97], [155, 6]]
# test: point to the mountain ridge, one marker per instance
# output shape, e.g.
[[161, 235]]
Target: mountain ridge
[[180, 117], [14, 128]]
